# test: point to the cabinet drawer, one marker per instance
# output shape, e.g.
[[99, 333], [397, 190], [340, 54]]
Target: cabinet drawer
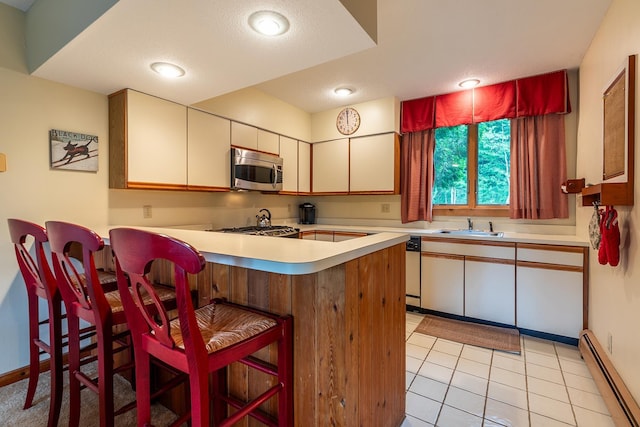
[[477, 249], [562, 255]]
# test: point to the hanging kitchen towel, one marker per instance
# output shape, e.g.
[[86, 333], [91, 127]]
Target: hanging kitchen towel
[[602, 247], [594, 228], [612, 236]]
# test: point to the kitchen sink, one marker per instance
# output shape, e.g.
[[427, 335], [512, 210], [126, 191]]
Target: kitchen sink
[[478, 233]]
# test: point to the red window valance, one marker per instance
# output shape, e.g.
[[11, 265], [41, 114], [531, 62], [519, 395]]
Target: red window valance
[[530, 96]]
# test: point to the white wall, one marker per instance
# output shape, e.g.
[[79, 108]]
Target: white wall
[[614, 306]]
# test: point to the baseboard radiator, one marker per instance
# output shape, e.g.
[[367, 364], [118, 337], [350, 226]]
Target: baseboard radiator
[[621, 404]]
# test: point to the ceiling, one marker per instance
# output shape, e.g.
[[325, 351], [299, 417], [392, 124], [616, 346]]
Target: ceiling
[[424, 47]]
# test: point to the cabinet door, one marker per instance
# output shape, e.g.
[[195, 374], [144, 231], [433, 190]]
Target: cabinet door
[[331, 166], [325, 236], [244, 136], [208, 150], [340, 236], [442, 283], [304, 167], [268, 142], [373, 165], [308, 235], [490, 291], [289, 154], [156, 140], [549, 300]]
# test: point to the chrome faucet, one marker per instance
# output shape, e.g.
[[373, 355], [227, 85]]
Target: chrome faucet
[[470, 223], [491, 226]]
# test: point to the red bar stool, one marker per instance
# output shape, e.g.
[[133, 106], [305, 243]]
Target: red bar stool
[[198, 342], [40, 283], [85, 299]]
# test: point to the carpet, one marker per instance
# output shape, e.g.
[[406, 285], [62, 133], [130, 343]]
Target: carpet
[[12, 399], [493, 337]]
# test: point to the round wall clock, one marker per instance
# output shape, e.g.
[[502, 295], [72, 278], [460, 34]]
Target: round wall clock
[[348, 121]]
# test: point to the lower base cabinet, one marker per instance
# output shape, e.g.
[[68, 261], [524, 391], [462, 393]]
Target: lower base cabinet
[[489, 291], [442, 282]]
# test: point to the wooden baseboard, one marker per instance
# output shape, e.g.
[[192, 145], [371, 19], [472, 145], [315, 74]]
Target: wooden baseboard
[[621, 404], [20, 374]]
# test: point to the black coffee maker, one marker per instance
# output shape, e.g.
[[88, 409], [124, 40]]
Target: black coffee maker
[[307, 213]]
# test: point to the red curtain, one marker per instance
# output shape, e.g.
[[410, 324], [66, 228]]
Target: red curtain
[[538, 168], [494, 102], [543, 94], [418, 114], [417, 176], [454, 109]]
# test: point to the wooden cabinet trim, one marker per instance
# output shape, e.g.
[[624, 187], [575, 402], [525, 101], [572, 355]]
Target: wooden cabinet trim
[[549, 247], [155, 186], [547, 266], [438, 255], [489, 260], [468, 241]]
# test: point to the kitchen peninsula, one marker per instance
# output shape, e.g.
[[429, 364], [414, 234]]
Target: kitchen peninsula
[[347, 300]]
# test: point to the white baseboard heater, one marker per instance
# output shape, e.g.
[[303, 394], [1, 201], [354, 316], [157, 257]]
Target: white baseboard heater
[[621, 404]]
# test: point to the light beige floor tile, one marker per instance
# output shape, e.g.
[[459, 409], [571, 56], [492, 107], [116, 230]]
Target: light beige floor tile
[[477, 354], [575, 367], [547, 389], [544, 373], [509, 395], [509, 378], [539, 345], [421, 340], [474, 368], [413, 364], [538, 420], [509, 355], [583, 399], [408, 379], [416, 351], [422, 408], [410, 421], [566, 351], [454, 417], [469, 382], [581, 383], [551, 408], [489, 423], [505, 415], [587, 418], [465, 401], [430, 388], [546, 360], [503, 362], [436, 372], [449, 347], [414, 317], [442, 359]]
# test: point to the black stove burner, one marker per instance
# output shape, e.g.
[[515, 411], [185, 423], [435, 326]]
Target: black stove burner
[[274, 230]]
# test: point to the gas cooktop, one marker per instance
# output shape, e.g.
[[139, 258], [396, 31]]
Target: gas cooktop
[[274, 230]]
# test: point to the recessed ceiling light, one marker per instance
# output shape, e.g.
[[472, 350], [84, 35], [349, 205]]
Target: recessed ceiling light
[[343, 91], [167, 70], [469, 83], [268, 23]]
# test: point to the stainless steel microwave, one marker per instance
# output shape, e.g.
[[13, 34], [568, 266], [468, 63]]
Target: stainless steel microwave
[[251, 170]]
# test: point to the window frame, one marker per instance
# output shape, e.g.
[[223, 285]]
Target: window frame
[[471, 208]]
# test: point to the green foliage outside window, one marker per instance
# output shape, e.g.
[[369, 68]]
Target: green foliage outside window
[[452, 168]]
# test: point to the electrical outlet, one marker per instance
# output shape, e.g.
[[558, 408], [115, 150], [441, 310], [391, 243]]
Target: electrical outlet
[[610, 343], [385, 208], [146, 211]]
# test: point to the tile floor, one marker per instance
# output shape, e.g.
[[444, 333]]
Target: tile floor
[[454, 385]]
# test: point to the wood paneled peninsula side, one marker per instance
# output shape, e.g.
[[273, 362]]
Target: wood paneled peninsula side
[[347, 300]]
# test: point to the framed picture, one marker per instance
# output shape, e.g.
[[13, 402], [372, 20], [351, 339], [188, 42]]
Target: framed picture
[[619, 123], [73, 151]]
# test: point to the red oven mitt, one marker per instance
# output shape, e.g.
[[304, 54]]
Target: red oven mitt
[[612, 236], [602, 249]]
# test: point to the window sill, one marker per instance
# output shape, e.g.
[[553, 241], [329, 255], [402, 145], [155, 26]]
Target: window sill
[[491, 211]]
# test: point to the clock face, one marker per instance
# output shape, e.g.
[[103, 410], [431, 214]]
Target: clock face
[[348, 121]]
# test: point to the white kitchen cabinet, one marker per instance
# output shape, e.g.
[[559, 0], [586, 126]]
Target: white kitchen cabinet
[[442, 283], [341, 236], [268, 142], [490, 290], [550, 289], [412, 281], [289, 155], [250, 137], [325, 236], [304, 167], [331, 166], [147, 142], [208, 151], [374, 164]]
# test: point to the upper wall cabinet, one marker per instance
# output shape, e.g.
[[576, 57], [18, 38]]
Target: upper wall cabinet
[[374, 164], [330, 166], [304, 167], [147, 142], [289, 154], [208, 162], [254, 139]]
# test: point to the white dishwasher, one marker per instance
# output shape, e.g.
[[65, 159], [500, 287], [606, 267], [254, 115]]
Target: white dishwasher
[[413, 271]]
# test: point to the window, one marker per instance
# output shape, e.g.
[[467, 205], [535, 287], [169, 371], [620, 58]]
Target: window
[[471, 164]]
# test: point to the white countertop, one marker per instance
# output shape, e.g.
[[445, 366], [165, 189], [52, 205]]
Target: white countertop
[[544, 239], [275, 254]]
